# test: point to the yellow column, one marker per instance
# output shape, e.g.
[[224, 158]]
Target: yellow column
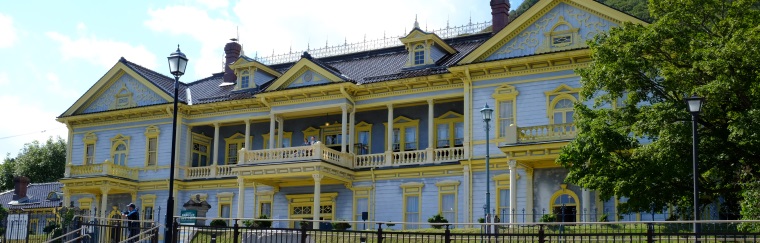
[[352, 130], [241, 196], [343, 128], [104, 202], [389, 150], [512, 190], [317, 195], [66, 197], [529, 195], [271, 130], [281, 131], [431, 130], [247, 134]]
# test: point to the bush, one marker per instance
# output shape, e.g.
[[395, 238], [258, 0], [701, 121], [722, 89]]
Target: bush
[[258, 224], [548, 218], [604, 218], [437, 220], [218, 223], [482, 220], [341, 225]]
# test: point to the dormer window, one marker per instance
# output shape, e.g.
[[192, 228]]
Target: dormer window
[[245, 80], [419, 54]]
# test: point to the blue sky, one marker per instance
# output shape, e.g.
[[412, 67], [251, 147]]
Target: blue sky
[[51, 52]]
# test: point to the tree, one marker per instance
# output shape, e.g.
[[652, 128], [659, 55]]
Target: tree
[[641, 149], [40, 162]]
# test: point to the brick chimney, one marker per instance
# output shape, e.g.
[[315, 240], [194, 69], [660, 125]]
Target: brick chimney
[[499, 14], [20, 184], [231, 54]]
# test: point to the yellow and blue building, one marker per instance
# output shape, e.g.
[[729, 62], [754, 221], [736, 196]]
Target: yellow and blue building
[[399, 128]]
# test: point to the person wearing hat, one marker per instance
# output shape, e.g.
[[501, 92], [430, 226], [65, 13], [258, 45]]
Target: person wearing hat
[[133, 220]]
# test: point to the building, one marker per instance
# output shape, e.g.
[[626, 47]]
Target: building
[[39, 200], [399, 128]]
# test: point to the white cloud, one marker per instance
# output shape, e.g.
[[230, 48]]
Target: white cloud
[[36, 123], [214, 4], [4, 79], [54, 87], [8, 35], [101, 52]]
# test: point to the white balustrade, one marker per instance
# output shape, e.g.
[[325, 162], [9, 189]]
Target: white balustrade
[[409, 157], [546, 132]]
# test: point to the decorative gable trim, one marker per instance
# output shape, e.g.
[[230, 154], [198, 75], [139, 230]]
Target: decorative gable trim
[[242, 63], [300, 68], [536, 12], [420, 44]]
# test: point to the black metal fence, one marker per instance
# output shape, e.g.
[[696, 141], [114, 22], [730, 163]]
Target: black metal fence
[[30, 227], [395, 232]]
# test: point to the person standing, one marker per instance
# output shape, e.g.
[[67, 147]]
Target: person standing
[[133, 221]]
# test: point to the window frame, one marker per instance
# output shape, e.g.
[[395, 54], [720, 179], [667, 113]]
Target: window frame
[[288, 135], [147, 200], [401, 123], [201, 140], [261, 199], [449, 118], [239, 140], [307, 200], [245, 77], [411, 189], [449, 187], [562, 92], [151, 132], [361, 192], [363, 127], [419, 50], [89, 139], [565, 191], [501, 182], [117, 140], [504, 93], [224, 199]]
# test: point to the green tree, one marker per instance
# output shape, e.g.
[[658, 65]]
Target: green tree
[[642, 149], [41, 162]]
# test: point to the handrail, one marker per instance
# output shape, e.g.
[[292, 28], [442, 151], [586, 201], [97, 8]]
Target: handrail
[[64, 235], [151, 231], [76, 239]]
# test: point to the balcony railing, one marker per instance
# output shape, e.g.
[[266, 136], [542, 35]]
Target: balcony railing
[[541, 133], [213, 171], [103, 169]]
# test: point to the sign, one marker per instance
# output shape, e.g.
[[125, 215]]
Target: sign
[[17, 226], [187, 217]]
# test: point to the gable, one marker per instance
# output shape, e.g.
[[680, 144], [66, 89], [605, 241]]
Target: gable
[[304, 73], [550, 26], [124, 92], [260, 77], [308, 77]]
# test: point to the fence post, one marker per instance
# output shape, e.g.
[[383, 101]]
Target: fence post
[[175, 231], [213, 237], [379, 232], [650, 233], [303, 233], [541, 236], [237, 232], [447, 235]]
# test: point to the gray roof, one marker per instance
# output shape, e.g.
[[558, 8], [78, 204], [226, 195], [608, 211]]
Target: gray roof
[[37, 194]]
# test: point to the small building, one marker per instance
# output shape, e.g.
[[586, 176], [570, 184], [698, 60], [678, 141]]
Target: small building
[[40, 200]]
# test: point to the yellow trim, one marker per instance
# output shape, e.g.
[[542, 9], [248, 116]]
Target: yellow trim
[[504, 93], [401, 123], [307, 201], [89, 139], [241, 63], [85, 203], [417, 35], [536, 12], [262, 198], [309, 132], [361, 192], [450, 119], [562, 92], [201, 140], [411, 189], [501, 181], [242, 74], [288, 135], [299, 68], [147, 200], [224, 199], [151, 132], [237, 139], [448, 188], [363, 127], [115, 142], [564, 191]]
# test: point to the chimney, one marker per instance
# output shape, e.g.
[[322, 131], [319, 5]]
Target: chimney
[[20, 184], [231, 54], [499, 14]]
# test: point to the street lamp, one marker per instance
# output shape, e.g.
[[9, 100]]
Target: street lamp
[[487, 115], [177, 65], [695, 107]]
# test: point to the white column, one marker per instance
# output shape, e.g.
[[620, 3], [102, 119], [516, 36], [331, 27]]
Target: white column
[[431, 129], [343, 128], [189, 153], [586, 204], [241, 197], [317, 195], [389, 138], [512, 190], [216, 144], [466, 191], [529, 195], [281, 131], [247, 134], [104, 202], [352, 130], [272, 120], [467, 120]]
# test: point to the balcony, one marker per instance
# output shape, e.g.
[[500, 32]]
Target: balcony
[[103, 169], [541, 133]]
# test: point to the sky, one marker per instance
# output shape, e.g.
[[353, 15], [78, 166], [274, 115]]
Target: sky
[[51, 52]]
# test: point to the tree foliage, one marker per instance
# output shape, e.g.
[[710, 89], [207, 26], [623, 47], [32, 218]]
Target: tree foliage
[[642, 149], [41, 162]]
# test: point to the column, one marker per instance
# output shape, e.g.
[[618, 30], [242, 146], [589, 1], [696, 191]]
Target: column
[[529, 195], [431, 130], [66, 197], [188, 154], [467, 119], [466, 191], [586, 205], [512, 190], [272, 120], [352, 130], [104, 202], [280, 131], [389, 138], [241, 197], [343, 128], [95, 211], [317, 195], [216, 144], [247, 134], [134, 197]]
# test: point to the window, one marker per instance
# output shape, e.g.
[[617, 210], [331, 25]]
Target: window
[[361, 205], [503, 206], [564, 204], [245, 78], [123, 98], [234, 144], [310, 132], [151, 146], [563, 111], [406, 129], [120, 149], [505, 97], [286, 140], [148, 202], [331, 135], [363, 134], [561, 37], [412, 197], [449, 130], [559, 104], [419, 54], [301, 206], [447, 199], [225, 205], [265, 203], [200, 152], [89, 148]]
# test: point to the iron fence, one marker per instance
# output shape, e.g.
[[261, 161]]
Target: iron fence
[[29, 227]]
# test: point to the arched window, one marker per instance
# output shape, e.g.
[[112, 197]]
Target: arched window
[[119, 149], [564, 205], [563, 111], [419, 54]]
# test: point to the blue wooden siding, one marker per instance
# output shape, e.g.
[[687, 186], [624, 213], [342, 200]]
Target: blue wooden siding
[[141, 95], [308, 78], [260, 77], [436, 53]]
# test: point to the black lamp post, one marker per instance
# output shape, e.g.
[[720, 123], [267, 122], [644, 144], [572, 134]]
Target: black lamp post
[[695, 107], [177, 65], [487, 115]]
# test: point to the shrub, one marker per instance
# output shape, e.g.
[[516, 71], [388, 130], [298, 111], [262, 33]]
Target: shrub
[[437, 220], [263, 224], [342, 225], [549, 218], [604, 218], [218, 223], [481, 220]]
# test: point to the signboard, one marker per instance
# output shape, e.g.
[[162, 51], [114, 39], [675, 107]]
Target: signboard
[[17, 226], [187, 217]]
